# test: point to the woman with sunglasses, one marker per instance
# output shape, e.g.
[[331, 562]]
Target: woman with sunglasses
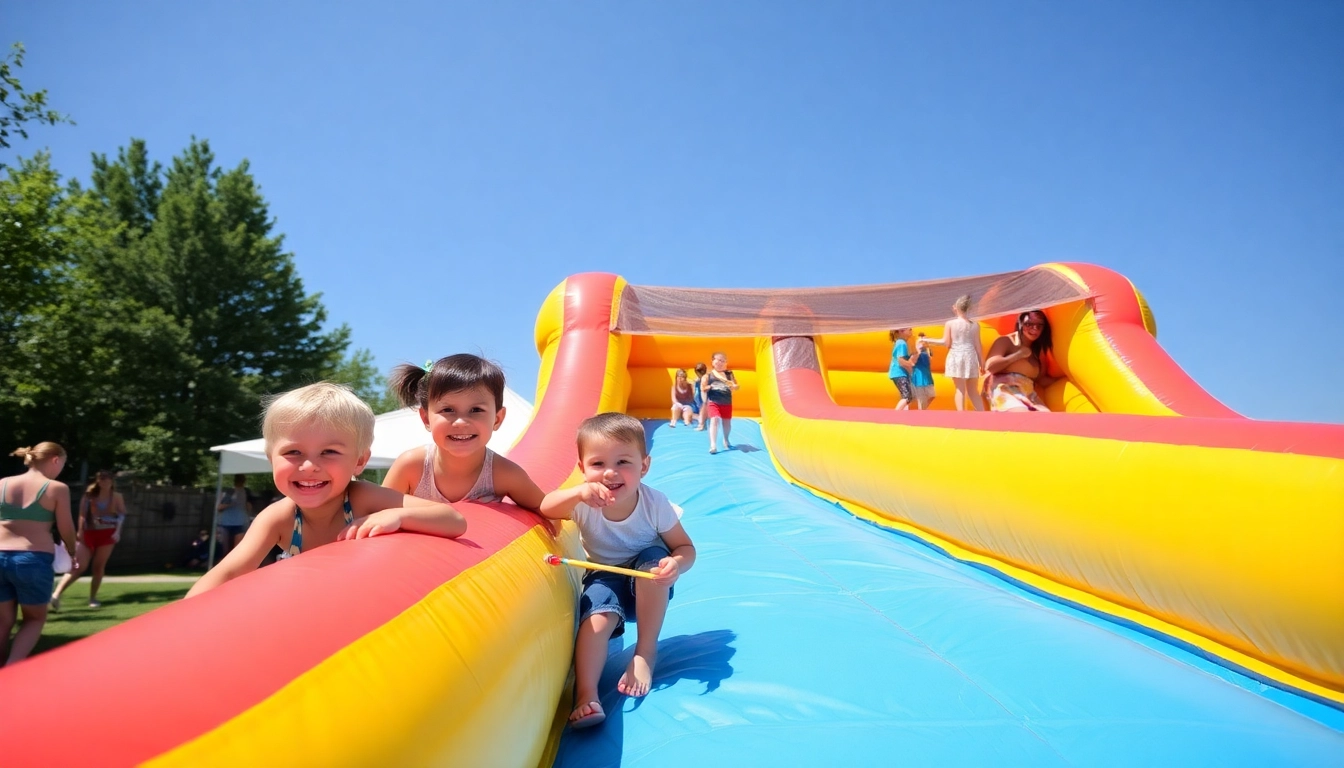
[[1016, 365]]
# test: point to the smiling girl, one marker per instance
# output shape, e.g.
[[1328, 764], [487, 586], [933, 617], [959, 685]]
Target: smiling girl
[[317, 439], [461, 402]]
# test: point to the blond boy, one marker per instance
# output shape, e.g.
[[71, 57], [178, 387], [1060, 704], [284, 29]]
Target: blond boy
[[318, 439]]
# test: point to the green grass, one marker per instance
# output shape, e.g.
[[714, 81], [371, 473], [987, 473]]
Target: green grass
[[121, 602]]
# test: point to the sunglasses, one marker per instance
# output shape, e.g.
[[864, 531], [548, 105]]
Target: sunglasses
[[1033, 325]]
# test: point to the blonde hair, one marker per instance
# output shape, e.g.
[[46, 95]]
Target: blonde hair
[[613, 426], [324, 403], [40, 452], [963, 302]]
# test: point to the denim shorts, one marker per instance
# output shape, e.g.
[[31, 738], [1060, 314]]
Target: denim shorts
[[613, 593], [26, 577]]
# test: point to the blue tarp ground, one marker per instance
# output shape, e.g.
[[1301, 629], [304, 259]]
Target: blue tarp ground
[[805, 637]]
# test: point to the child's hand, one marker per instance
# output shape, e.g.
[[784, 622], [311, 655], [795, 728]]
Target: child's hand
[[667, 571], [596, 494], [386, 521]]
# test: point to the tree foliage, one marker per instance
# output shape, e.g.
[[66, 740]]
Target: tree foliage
[[145, 317], [19, 107]]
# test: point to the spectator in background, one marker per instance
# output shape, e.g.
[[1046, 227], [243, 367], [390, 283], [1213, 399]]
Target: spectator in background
[[234, 509], [198, 552], [29, 504], [102, 512]]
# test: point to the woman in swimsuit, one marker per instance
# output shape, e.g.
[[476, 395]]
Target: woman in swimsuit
[[101, 513], [683, 399], [29, 504], [1016, 365]]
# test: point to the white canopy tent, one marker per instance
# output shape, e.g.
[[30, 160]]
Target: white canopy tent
[[393, 433]]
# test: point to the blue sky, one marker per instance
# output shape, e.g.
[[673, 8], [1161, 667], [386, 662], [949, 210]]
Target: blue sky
[[437, 168]]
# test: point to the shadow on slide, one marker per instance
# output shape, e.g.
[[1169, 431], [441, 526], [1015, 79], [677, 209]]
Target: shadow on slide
[[804, 637]]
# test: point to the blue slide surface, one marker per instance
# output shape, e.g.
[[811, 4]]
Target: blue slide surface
[[804, 636]]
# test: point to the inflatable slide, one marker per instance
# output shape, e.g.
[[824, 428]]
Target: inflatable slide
[[1140, 577]]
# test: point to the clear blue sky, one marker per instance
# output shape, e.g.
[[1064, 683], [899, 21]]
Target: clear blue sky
[[437, 168]]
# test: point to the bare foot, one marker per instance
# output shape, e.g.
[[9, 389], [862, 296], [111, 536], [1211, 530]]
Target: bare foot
[[673, 425], [587, 715], [638, 676]]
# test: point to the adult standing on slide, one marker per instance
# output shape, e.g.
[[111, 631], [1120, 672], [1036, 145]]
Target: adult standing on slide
[[965, 357], [101, 514]]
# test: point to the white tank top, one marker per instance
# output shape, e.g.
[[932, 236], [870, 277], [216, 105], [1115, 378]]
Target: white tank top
[[483, 491]]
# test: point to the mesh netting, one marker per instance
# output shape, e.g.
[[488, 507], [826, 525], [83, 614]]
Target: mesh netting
[[856, 309]]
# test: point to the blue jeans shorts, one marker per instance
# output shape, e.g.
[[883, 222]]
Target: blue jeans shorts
[[26, 577], [613, 593]]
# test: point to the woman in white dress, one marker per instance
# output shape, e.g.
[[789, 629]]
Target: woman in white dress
[[965, 356]]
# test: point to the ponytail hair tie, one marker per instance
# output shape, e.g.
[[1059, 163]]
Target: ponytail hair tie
[[429, 365]]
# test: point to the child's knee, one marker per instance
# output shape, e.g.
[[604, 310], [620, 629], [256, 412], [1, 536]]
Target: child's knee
[[602, 623]]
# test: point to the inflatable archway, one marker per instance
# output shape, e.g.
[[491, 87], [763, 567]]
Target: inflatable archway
[[1143, 504]]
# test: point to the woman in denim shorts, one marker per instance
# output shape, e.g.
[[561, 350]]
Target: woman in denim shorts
[[29, 504]]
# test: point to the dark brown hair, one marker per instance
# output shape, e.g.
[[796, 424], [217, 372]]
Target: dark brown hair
[[701, 369], [415, 387], [613, 426], [1042, 342], [93, 489]]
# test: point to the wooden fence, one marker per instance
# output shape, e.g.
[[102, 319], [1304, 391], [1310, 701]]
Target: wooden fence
[[160, 523]]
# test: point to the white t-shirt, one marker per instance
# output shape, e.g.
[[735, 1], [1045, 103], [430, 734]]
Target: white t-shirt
[[612, 543]]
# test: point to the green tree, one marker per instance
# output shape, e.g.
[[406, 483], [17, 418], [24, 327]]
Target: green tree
[[35, 225], [19, 107], [152, 311], [359, 373], [83, 366], [197, 243]]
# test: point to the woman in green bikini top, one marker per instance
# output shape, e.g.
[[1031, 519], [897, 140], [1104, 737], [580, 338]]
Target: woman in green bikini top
[[29, 504], [32, 501]]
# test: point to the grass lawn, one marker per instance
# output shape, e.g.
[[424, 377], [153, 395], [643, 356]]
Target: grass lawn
[[121, 601]]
